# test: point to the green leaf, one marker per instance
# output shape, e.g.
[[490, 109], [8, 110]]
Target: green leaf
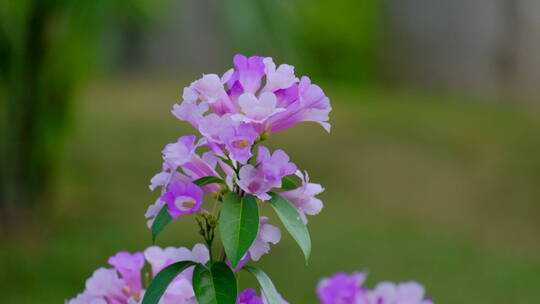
[[288, 184], [238, 224], [215, 284], [162, 280], [289, 216], [203, 181], [160, 221], [269, 290]]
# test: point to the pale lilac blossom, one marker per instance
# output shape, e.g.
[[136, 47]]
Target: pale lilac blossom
[[257, 109], [281, 78], [275, 166], [190, 111], [342, 288], [254, 181], [238, 141], [129, 266], [304, 198], [248, 73], [180, 152], [401, 293], [312, 105]]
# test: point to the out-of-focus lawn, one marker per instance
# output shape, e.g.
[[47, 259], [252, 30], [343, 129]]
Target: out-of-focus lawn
[[446, 192]]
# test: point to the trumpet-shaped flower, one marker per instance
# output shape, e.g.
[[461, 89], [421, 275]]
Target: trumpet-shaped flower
[[304, 198], [180, 152], [248, 73], [401, 293], [275, 166], [311, 105], [210, 89], [238, 141], [342, 288], [183, 198], [190, 111], [267, 234], [254, 181], [159, 258], [129, 266], [281, 78], [257, 110]]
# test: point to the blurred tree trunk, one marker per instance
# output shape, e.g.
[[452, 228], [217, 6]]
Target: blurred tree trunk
[[27, 157]]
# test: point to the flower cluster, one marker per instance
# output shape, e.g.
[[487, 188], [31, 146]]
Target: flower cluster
[[123, 284], [342, 288], [234, 113]]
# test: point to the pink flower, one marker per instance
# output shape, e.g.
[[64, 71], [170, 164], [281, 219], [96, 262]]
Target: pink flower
[[342, 288], [281, 78], [180, 152], [248, 73], [153, 211], [159, 258], [275, 166], [210, 89], [304, 198], [190, 111], [104, 286], [129, 266], [211, 126], [255, 181], [401, 293], [267, 234], [257, 110], [249, 296], [183, 198], [312, 105], [238, 141]]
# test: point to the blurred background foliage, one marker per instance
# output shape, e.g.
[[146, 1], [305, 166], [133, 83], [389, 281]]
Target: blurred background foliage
[[432, 169]]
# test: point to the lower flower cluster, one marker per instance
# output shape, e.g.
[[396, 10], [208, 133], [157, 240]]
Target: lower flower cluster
[[125, 282], [342, 288]]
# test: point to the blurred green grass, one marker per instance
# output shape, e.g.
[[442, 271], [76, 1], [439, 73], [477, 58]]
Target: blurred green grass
[[443, 190]]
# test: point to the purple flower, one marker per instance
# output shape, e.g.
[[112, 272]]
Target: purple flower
[[153, 211], [281, 78], [159, 258], [129, 266], [304, 198], [249, 296], [257, 110], [255, 181], [267, 234], [106, 286], [203, 166], [401, 293], [180, 152], [183, 198], [162, 179], [103, 287], [211, 126], [210, 89], [190, 111], [312, 105], [248, 73], [342, 288], [275, 166], [238, 141]]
